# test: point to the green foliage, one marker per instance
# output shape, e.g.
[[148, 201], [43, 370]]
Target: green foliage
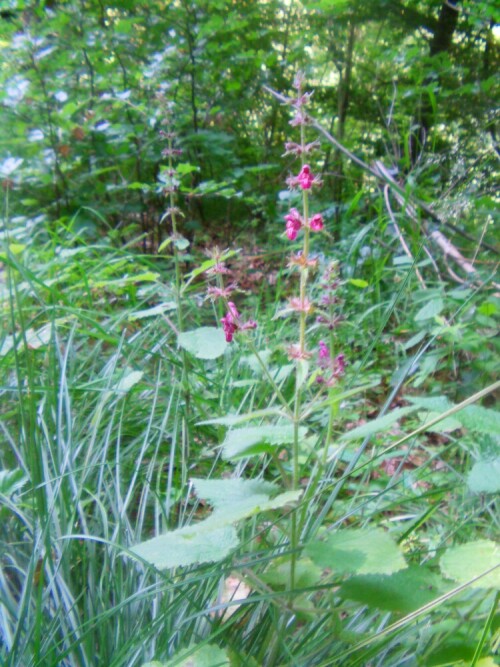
[[146, 462]]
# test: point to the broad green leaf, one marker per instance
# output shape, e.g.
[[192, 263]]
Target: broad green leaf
[[277, 574], [473, 417], [485, 477], [403, 591], [252, 440], [207, 655], [188, 546], [218, 492], [358, 551], [451, 654], [414, 340], [183, 168], [447, 425], [203, 343], [215, 537], [430, 310], [464, 562], [376, 425], [482, 420]]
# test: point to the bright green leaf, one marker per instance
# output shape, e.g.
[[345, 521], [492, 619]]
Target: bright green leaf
[[203, 343], [358, 551], [464, 562], [430, 310], [403, 591], [358, 282], [485, 477], [215, 537]]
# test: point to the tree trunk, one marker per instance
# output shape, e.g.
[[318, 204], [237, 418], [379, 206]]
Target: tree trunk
[[441, 41]]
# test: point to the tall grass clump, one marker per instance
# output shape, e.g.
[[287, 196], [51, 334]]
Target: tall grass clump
[[188, 482]]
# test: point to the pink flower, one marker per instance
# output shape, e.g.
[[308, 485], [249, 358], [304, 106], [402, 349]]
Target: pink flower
[[323, 352], [339, 365], [293, 224], [231, 322], [305, 178], [228, 323], [316, 223]]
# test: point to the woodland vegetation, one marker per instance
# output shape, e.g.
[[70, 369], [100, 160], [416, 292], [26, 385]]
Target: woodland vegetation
[[248, 337]]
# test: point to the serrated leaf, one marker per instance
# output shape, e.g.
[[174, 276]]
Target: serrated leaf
[[485, 477], [376, 425], [188, 546], [358, 551], [403, 591], [464, 562], [213, 538], [479, 419], [252, 440], [430, 310], [446, 425], [203, 343], [218, 492], [473, 417]]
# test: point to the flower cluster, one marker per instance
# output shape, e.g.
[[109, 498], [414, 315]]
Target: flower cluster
[[332, 368], [295, 222], [329, 301], [232, 323]]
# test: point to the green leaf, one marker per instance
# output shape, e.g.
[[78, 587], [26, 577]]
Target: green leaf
[[357, 282], [203, 343], [403, 591], [479, 419], [277, 574], [184, 168], [358, 551], [430, 310], [214, 538], [485, 477], [464, 562], [253, 440], [473, 417], [376, 425], [188, 546], [207, 655], [452, 653]]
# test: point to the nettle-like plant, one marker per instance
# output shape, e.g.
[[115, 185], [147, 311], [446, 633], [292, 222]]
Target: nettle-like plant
[[292, 439]]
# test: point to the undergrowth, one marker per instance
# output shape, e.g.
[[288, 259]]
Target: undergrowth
[[302, 474]]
